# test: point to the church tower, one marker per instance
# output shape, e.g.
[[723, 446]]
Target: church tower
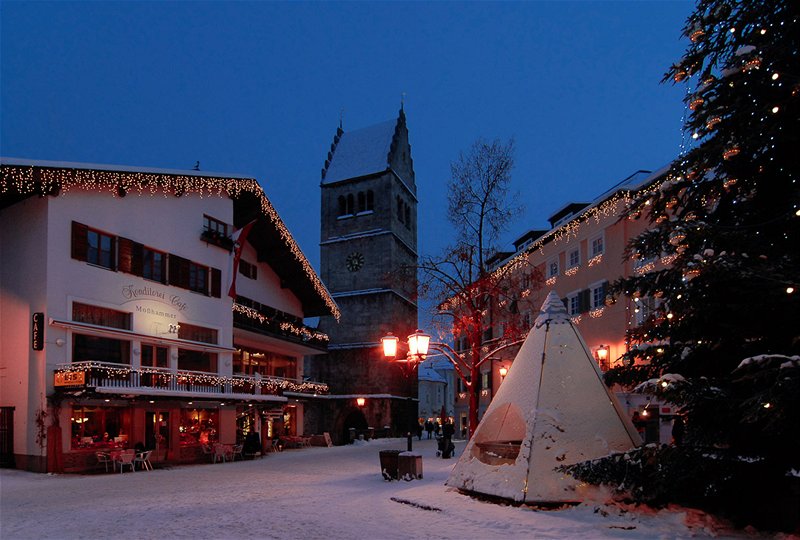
[[368, 251]]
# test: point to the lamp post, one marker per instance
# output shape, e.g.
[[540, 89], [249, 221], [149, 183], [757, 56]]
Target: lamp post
[[418, 345], [503, 372]]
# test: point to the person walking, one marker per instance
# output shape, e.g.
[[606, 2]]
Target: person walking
[[429, 427]]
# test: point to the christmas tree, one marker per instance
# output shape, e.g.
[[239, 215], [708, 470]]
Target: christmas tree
[[722, 336]]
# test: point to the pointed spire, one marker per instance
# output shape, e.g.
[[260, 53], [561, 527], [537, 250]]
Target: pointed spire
[[553, 310]]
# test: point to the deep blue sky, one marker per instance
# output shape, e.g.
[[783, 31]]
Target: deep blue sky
[[257, 89]]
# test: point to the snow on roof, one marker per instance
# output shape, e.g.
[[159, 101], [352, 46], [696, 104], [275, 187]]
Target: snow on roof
[[427, 373], [361, 152], [23, 162]]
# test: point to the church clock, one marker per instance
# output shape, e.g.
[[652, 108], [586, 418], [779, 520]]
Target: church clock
[[355, 261]]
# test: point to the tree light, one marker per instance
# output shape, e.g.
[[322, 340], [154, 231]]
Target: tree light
[[775, 76], [789, 290], [775, 109]]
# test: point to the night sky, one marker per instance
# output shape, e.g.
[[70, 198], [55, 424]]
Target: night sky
[[257, 88]]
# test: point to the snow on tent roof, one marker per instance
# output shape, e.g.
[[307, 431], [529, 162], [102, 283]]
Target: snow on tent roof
[[361, 152], [552, 409]]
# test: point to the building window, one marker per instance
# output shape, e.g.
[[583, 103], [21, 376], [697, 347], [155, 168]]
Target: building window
[[552, 267], [189, 360], [597, 246], [100, 249], [573, 304], [215, 226], [370, 200], [198, 278], [485, 380], [408, 216], [362, 201], [100, 316], [154, 265], [643, 308], [98, 427], [574, 258], [191, 332], [526, 320], [99, 349], [599, 295], [154, 356], [342, 205], [526, 280], [248, 270], [400, 213], [350, 204]]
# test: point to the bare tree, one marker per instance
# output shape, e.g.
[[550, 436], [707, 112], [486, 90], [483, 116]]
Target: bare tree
[[468, 294]]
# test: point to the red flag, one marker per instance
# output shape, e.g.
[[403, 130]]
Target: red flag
[[239, 238]]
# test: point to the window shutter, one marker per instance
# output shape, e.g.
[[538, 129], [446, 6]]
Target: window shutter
[[137, 259], [178, 271], [125, 255], [216, 283], [584, 300], [80, 241]]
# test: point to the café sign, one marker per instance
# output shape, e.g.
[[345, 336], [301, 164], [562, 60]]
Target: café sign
[[37, 331], [70, 378]]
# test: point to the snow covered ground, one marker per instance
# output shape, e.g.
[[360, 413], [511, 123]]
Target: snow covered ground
[[313, 493]]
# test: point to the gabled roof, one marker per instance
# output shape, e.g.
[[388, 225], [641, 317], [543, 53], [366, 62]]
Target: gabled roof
[[20, 179], [361, 152]]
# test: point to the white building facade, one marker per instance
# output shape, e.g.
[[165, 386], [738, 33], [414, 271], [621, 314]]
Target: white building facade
[[116, 324]]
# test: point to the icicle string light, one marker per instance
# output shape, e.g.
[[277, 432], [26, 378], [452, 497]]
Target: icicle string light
[[23, 180]]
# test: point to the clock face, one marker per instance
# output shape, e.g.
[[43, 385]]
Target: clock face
[[355, 261]]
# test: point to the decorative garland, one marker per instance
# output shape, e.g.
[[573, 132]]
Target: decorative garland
[[20, 179], [287, 326], [270, 383]]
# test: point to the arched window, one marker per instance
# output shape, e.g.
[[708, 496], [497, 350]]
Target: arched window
[[400, 214], [362, 201], [350, 204], [342, 205], [370, 200], [408, 217]]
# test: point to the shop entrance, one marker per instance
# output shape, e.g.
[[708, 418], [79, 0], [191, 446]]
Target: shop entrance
[[6, 436], [156, 430]]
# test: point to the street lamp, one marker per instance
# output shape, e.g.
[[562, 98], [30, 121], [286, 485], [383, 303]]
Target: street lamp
[[469, 372], [503, 372], [601, 355], [360, 401]]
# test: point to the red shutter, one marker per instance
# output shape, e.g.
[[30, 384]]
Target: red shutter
[[137, 259], [79, 241], [125, 255], [216, 283]]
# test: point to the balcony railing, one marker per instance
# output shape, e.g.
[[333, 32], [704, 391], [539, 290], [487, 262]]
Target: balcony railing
[[182, 382], [273, 324]]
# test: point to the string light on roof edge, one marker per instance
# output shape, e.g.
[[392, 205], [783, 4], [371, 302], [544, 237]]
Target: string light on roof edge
[[52, 181]]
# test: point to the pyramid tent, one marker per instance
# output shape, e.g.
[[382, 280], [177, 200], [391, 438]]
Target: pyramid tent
[[552, 409]]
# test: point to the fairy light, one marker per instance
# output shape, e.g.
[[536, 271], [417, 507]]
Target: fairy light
[[27, 180]]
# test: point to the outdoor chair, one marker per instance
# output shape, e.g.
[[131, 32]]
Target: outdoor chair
[[237, 451], [105, 459], [220, 453], [143, 459], [126, 458]]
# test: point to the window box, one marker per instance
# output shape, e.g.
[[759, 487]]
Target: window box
[[216, 238]]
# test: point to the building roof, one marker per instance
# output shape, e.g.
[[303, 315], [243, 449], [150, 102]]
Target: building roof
[[21, 178], [427, 373], [361, 152]]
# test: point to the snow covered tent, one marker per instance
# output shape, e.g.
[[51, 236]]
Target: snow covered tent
[[552, 409]]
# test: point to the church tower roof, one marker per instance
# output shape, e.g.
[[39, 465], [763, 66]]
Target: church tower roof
[[363, 152]]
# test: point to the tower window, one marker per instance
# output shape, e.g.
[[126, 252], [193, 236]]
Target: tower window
[[400, 213], [370, 200], [350, 204], [362, 202], [408, 216], [342, 205]]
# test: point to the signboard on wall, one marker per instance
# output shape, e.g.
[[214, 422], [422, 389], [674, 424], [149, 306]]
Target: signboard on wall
[[70, 378], [37, 331]]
